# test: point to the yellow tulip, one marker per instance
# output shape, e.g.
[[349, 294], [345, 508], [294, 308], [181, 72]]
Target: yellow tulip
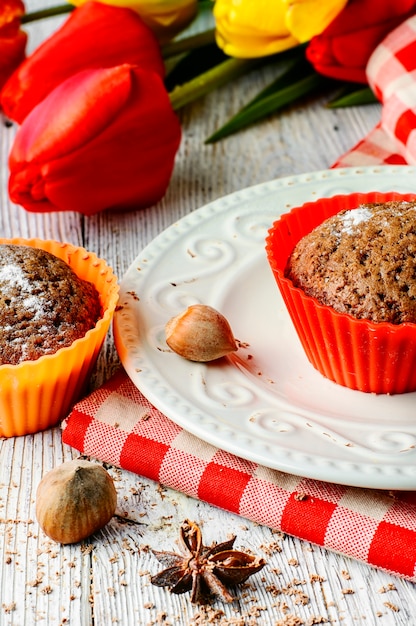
[[255, 28], [307, 18], [166, 18]]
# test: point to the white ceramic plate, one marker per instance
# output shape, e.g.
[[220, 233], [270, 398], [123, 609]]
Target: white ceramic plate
[[266, 403]]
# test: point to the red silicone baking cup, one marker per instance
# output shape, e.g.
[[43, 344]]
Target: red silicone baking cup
[[35, 395], [356, 353]]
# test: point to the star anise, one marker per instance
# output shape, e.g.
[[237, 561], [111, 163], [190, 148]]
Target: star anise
[[204, 571]]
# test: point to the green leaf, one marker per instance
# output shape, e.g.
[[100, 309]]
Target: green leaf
[[352, 97], [299, 80], [294, 67]]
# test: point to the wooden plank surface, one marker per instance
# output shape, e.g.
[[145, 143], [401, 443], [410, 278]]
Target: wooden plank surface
[[105, 580]]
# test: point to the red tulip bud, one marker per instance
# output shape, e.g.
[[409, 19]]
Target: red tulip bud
[[12, 39], [342, 50], [95, 35], [103, 139]]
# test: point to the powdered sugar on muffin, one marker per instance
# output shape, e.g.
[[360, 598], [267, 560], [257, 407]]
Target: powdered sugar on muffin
[[44, 305], [362, 262]]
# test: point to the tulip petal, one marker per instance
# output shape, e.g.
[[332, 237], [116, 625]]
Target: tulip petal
[[12, 53], [92, 99], [10, 12], [306, 18], [124, 162], [164, 17], [94, 36], [248, 29], [342, 50], [12, 39], [242, 48]]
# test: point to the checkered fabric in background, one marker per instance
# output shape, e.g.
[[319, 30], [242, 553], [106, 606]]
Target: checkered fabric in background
[[118, 425], [391, 73]]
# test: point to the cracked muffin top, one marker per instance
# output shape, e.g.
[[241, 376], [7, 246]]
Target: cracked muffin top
[[362, 262], [44, 305]]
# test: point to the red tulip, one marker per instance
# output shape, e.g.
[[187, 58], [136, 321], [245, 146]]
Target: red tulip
[[12, 38], [95, 35], [103, 139], [342, 50]]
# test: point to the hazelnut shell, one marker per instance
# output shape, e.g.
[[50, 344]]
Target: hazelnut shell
[[200, 333], [74, 500]]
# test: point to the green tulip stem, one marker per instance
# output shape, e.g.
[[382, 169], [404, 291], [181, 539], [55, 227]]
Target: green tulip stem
[[50, 12], [206, 82], [180, 46]]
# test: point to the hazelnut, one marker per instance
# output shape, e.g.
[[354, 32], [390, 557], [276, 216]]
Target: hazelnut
[[74, 500], [200, 334]]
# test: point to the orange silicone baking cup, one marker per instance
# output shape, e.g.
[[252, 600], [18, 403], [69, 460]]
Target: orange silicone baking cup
[[356, 353], [35, 395]]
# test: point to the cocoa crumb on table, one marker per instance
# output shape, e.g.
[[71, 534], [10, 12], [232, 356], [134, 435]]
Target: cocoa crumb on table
[[273, 589], [255, 611], [271, 547], [161, 617], [208, 615], [316, 578], [290, 620], [301, 598], [282, 605], [389, 587]]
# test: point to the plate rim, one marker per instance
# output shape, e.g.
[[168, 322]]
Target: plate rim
[[150, 252]]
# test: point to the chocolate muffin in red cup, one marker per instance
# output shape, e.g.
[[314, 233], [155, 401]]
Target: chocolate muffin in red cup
[[346, 269]]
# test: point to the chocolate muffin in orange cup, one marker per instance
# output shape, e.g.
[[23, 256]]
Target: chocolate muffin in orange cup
[[346, 269], [56, 305]]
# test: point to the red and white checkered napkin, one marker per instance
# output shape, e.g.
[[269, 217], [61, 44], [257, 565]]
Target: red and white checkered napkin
[[391, 73], [118, 425]]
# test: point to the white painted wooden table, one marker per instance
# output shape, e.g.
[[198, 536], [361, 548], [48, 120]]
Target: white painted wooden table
[[106, 579]]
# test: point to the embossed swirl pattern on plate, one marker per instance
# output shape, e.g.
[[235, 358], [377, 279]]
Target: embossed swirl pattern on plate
[[288, 424], [202, 258], [215, 403]]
